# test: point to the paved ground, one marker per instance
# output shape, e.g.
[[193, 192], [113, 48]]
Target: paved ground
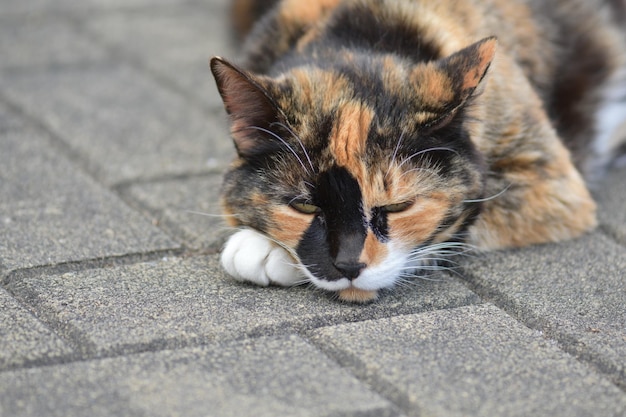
[[112, 138]]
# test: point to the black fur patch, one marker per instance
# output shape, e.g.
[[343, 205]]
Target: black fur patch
[[332, 245]]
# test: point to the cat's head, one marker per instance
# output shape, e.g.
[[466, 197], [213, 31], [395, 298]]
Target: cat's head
[[364, 168]]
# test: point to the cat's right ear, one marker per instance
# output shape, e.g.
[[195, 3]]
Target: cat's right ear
[[251, 109]]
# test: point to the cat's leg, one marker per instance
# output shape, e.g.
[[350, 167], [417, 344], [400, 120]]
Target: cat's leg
[[252, 257], [534, 194]]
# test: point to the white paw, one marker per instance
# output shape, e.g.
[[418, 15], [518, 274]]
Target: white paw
[[252, 257]]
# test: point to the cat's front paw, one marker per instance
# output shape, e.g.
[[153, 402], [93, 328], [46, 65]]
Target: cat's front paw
[[251, 257]]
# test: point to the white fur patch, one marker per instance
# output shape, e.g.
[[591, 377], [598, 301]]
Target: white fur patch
[[250, 256], [610, 121], [384, 275]]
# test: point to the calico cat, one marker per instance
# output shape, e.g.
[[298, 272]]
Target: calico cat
[[375, 138]]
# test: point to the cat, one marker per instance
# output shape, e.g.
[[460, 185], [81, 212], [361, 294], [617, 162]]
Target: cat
[[376, 138]]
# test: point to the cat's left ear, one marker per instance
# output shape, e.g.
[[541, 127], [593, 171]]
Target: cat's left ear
[[467, 67], [449, 83], [249, 105]]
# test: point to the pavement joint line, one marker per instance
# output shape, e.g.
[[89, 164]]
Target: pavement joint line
[[608, 231], [158, 218], [88, 11], [53, 138], [10, 277], [373, 382], [566, 342], [123, 186], [119, 54], [353, 365], [119, 189]]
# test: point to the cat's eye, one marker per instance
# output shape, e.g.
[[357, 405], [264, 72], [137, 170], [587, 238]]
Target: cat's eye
[[398, 207], [305, 208]]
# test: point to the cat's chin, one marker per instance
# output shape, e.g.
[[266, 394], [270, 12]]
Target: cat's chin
[[346, 290], [357, 295]]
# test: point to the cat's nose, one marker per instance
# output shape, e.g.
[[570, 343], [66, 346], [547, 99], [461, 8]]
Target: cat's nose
[[350, 270]]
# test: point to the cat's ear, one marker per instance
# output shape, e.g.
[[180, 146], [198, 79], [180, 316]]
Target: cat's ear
[[250, 107], [448, 84], [467, 67]]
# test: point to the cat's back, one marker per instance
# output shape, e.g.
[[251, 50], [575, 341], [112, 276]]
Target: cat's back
[[572, 52]]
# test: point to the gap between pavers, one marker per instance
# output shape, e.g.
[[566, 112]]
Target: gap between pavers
[[469, 361], [25, 341], [265, 377], [574, 292], [188, 208], [178, 302], [56, 214], [123, 124]]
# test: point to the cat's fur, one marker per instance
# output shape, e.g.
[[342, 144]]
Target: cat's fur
[[375, 137]]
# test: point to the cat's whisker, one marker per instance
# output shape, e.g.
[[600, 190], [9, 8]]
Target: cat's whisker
[[415, 277], [444, 246], [223, 216], [306, 154], [395, 153], [441, 252], [424, 151], [430, 171], [284, 142], [493, 197], [298, 197]]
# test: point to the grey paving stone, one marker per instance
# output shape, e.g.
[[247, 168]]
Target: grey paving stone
[[45, 7], [611, 197], [121, 122], [188, 208], [9, 120], [30, 42], [176, 44], [176, 302], [23, 339], [265, 377], [51, 213], [470, 361], [574, 291]]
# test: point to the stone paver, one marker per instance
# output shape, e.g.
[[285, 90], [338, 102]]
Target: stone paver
[[112, 300], [173, 43], [472, 360], [261, 378], [176, 302], [124, 124], [53, 213], [23, 339], [189, 208], [574, 291], [22, 43]]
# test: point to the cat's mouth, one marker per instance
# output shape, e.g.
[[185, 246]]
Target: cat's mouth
[[364, 286]]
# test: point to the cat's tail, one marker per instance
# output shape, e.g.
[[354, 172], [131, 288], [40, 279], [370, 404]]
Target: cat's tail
[[244, 13]]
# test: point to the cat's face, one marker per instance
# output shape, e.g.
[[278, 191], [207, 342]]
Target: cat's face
[[364, 174]]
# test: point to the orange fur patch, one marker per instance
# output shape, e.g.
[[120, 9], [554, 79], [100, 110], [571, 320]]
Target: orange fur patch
[[349, 136], [486, 52], [418, 223], [374, 252], [356, 295], [434, 89], [291, 225], [309, 11]]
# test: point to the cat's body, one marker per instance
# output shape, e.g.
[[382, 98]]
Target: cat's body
[[375, 137]]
